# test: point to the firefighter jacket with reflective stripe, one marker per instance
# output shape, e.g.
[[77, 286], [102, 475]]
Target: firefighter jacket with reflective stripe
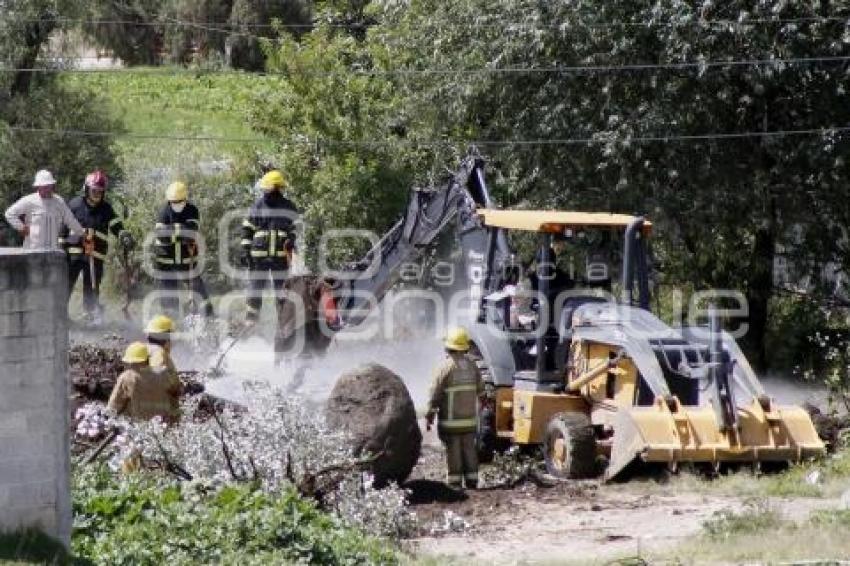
[[176, 236], [97, 221], [454, 394], [268, 227], [143, 394]]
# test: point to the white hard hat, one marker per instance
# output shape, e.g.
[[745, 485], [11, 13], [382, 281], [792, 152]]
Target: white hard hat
[[43, 178]]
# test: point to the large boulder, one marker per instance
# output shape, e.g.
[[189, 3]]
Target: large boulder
[[373, 404]]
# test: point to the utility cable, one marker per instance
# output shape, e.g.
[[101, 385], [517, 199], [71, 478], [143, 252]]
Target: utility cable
[[600, 138], [561, 69], [722, 22]]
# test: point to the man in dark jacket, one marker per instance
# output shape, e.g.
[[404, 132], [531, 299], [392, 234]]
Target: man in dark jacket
[[176, 249], [268, 241], [98, 219]]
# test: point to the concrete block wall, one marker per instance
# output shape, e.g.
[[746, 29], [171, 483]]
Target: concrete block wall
[[34, 388]]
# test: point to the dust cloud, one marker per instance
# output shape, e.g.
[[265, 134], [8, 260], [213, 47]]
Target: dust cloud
[[253, 360], [786, 391]]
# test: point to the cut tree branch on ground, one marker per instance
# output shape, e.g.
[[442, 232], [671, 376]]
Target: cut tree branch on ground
[[225, 449], [102, 446], [171, 466], [313, 484]]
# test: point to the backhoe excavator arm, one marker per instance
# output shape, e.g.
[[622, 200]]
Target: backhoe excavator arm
[[429, 211]]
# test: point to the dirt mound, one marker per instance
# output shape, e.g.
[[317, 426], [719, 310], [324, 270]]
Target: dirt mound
[[373, 404], [95, 367]]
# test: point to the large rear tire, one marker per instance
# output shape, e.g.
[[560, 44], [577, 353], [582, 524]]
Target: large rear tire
[[487, 441], [569, 448]]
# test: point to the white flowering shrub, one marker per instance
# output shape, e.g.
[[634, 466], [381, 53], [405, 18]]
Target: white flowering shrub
[[835, 356], [92, 422], [276, 441]]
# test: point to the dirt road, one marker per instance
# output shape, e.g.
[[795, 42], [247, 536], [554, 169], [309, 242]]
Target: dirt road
[[573, 522]]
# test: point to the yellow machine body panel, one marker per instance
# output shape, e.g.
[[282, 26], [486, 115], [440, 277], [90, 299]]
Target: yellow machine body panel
[[505, 411], [532, 411], [668, 432], [617, 384], [556, 221]]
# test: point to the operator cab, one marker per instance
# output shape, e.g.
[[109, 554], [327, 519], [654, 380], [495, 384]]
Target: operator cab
[[574, 265]]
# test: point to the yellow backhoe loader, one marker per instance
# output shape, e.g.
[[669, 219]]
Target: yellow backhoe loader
[[611, 379], [583, 373]]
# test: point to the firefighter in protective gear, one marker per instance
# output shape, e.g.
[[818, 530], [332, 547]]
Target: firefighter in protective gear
[[159, 332], [38, 217], [268, 241], [140, 393], [176, 249], [98, 219], [455, 391]]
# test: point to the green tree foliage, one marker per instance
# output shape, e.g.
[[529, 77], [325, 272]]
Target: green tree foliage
[[340, 179], [146, 32], [189, 25], [449, 73], [37, 101], [250, 21], [128, 29], [722, 205]]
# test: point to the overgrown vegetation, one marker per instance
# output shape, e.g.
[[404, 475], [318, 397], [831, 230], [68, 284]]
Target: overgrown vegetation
[[757, 516], [31, 546], [145, 519], [736, 536]]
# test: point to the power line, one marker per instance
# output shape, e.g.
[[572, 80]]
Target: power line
[[561, 69], [469, 24], [597, 139]]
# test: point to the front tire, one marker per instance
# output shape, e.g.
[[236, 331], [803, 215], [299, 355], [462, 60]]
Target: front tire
[[569, 448]]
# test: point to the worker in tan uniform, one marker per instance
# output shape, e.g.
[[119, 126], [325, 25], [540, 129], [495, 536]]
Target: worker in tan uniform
[[454, 397], [142, 394], [159, 331]]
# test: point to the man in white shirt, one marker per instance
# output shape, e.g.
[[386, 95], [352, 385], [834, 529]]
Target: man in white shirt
[[39, 216]]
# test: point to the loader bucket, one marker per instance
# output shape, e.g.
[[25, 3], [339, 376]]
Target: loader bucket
[[670, 433]]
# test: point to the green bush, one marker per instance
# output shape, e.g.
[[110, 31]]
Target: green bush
[[31, 546], [757, 516], [142, 519], [792, 324]]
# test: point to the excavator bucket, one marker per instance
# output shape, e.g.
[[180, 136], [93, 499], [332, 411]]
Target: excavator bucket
[[669, 433]]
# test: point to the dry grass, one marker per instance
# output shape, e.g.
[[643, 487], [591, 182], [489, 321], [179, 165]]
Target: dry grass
[[826, 478]]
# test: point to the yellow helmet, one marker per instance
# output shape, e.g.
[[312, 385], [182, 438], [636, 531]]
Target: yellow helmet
[[160, 324], [272, 180], [457, 339], [177, 191], [136, 353]]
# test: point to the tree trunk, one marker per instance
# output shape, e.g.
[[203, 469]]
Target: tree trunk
[[37, 33], [760, 289]]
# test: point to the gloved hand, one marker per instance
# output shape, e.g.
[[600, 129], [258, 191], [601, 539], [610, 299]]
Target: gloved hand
[[245, 258], [126, 240]]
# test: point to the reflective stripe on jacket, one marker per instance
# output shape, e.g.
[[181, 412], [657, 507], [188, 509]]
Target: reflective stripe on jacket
[[97, 221], [176, 236], [454, 394], [267, 228]]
